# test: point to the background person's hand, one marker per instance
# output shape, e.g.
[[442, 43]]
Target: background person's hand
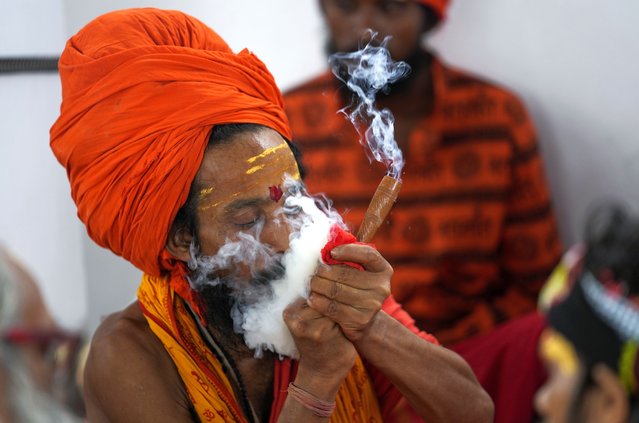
[[348, 296]]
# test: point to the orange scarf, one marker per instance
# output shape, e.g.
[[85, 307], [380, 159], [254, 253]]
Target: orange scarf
[[208, 386]]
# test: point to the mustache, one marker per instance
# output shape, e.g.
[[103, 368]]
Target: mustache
[[259, 287], [266, 276], [228, 292]]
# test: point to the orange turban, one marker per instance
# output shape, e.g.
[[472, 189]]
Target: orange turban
[[141, 90], [439, 6]]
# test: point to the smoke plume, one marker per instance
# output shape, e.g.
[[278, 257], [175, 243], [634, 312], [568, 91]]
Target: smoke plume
[[366, 72]]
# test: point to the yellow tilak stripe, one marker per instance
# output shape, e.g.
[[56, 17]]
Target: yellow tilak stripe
[[266, 153], [255, 169], [206, 191]]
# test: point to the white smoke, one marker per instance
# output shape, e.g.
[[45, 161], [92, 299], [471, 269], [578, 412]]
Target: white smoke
[[246, 250], [366, 72], [262, 324], [257, 310]]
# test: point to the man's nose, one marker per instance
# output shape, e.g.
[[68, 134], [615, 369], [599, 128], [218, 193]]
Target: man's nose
[[276, 234]]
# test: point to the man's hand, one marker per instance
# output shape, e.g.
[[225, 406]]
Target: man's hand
[[320, 342], [348, 296]]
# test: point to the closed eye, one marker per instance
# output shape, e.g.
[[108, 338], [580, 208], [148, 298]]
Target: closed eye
[[248, 224]]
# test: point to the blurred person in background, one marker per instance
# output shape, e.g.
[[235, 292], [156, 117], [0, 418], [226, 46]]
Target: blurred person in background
[[590, 346], [37, 371], [472, 237]]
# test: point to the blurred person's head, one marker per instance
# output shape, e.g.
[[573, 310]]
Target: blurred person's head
[[406, 21], [29, 342], [590, 346]]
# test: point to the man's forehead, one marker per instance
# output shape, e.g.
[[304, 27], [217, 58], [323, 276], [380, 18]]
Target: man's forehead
[[246, 153], [253, 167]]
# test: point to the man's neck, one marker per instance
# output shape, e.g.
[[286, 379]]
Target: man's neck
[[220, 327], [252, 378]]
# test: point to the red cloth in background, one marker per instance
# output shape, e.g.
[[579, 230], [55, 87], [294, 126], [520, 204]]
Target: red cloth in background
[[506, 364]]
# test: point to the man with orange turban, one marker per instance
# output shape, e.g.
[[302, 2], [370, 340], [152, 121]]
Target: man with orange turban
[[472, 236], [178, 155]]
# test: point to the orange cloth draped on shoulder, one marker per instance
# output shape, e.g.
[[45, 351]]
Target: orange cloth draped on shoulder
[[208, 386], [141, 91]]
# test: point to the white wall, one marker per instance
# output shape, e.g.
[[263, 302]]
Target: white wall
[[286, 34], [574, 63], [37, 216]]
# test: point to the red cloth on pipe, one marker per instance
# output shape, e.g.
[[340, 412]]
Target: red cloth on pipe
[[337, 237]]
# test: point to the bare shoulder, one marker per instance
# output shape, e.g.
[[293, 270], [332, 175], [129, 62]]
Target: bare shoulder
[[129, 375]]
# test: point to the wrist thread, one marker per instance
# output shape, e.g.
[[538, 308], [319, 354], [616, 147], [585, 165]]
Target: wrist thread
[[319, 407]]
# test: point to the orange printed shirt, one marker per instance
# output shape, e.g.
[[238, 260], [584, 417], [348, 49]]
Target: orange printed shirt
[[472, 236], [364, 396]]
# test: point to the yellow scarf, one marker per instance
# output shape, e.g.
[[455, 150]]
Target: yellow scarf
[[209, 388]]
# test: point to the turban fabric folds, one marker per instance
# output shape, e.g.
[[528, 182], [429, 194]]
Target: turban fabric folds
[[439, 6], [141, 90]]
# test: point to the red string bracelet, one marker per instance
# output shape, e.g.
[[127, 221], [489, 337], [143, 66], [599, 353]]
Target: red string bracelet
[[319, 407]]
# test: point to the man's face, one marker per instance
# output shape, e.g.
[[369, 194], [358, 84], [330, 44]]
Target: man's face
[[259, 239], [348, 21], [241, 199]]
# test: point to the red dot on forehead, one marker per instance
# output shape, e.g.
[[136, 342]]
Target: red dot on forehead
[[275, 192]]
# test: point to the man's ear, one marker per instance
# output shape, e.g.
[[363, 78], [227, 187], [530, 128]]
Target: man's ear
[[614, 406], [179, 243]]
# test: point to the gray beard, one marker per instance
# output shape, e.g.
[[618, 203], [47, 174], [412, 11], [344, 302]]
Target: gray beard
[[225, 304]]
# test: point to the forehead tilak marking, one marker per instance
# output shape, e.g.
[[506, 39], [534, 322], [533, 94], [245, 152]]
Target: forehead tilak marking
[[266, 152], [275, 192], [205, 192], [254, 169], [262, 155], [217, 203]]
